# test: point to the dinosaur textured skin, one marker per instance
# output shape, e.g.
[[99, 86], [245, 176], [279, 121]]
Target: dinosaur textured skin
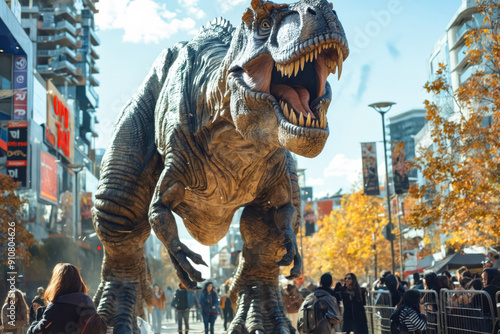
[[210, 131]]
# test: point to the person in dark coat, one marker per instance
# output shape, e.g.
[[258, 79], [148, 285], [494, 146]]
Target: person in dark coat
[[182, 302], [67, 298], [209, 305], [491, 282], [395, 289], [354, 299]]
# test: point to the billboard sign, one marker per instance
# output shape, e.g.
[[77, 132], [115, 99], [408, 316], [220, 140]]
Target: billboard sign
[[20, 88], [370, 172], [17, 151], [59, 131], [48, 179], [400, 170]]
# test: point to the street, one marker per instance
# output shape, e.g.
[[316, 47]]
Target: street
[[194, 326]]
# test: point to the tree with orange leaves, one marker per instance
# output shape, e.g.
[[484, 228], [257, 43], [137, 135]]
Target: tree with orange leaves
[[461, 169], [13, 230], [345, 240]]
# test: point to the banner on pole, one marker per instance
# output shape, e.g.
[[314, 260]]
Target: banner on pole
[[370, 173], [400, 170]]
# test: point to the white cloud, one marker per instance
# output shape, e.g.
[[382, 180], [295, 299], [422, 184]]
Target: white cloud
[[315, 181], [341, 166], [144, 21], [227, 5]]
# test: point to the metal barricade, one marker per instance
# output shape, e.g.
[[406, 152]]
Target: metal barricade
[[430, 300], [378, 312], [467, 312]]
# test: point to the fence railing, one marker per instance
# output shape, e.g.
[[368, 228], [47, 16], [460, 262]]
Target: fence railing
[[452, 312]]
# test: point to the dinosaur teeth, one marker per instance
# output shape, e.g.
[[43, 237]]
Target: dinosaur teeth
[[293, 118], [302, 61], [297, 67], [309, 120], [301, 119]]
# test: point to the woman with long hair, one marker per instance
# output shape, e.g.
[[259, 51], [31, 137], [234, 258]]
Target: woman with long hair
[[15, 313], [209, 304], [354, 299], [392, 284], [67, 300], [410, 314]]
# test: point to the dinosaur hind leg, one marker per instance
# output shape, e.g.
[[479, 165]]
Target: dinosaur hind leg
[[121, 222], [256, 287]]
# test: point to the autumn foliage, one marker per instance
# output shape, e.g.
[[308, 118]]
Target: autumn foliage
[[344, 242], [461, 169], [10, 216]]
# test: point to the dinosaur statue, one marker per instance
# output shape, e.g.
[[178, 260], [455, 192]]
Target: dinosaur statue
[[209, 131]]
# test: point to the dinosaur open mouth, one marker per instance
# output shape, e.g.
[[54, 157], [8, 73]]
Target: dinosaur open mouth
[[298, 84]]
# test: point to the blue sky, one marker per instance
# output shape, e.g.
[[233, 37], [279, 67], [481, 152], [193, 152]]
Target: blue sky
[[390, 41]]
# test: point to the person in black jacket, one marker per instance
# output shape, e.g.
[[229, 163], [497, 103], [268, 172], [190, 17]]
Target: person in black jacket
[[209, 304], [181, 302], [354, 301], [66, 295]]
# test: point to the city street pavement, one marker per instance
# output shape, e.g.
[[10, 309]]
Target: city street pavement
[[195, 327]]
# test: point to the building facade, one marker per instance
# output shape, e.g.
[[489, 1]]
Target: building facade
[[48, 108]]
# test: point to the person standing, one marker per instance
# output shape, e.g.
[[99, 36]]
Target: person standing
[[158, 307], [409, 316], [354, 299], [182, 305], [325, 309], [18, 303], [292, 300], [68, 300], [228, 306], [169, 295], [209, 304]]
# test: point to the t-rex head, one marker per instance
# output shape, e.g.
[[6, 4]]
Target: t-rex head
[[278, 64]]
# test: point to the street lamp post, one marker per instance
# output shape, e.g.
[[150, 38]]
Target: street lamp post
[[382, 108], [76, 168]]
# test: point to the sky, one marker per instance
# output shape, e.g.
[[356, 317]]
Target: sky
[[390, 43]]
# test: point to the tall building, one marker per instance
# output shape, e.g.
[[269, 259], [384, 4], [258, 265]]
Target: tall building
[[47, 115], [403, 128]]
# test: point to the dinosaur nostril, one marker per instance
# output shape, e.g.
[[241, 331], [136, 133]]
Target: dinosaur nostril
[[312, 11]]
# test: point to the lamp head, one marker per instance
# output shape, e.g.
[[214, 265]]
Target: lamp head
[[382, 107]]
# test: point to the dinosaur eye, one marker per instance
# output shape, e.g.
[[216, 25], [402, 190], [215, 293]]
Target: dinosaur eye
[[265, 24]]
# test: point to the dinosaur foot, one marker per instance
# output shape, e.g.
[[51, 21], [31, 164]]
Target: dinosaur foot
[[179, 254], [116, 303], [260, 311]]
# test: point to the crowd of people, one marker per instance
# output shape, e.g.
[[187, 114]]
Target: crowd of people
[[338, 307]]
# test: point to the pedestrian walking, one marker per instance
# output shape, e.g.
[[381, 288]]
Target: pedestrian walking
[[292, 300], [158, 308], [209, 304], [67, 303], [354, 300], [15, 313], [410, 316], [227, 308], [169, 295], [182, 305]]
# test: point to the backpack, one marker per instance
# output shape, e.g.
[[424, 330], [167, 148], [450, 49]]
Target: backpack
[[307, 318], [396, 326], [314, 314], [90, 322]]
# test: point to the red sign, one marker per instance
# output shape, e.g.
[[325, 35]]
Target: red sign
[[48, 182], [17, 151], [60, 124]]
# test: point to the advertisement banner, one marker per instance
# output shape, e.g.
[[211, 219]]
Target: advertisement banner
[[59, 131], [400, 170], [17, 151], [370, 173], [20, 88], [86, 205], [48, 180], [325, 207], [225, 259]]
